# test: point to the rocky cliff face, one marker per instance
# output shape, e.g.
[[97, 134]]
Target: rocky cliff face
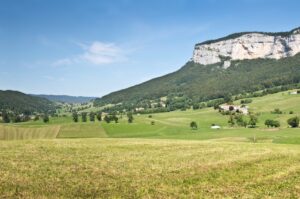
[[248, 46]]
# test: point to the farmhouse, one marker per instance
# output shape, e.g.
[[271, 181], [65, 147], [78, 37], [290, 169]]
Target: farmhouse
[[241, 109]]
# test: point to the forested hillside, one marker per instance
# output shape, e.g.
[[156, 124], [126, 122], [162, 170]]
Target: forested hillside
[[18, 102], [201, 83], [67, 98]]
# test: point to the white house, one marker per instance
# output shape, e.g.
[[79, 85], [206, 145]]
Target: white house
[[215, 127], [293, 93]]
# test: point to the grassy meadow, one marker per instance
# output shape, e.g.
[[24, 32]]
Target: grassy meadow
[[164, 160]]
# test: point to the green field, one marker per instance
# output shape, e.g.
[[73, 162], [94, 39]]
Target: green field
[[164, 160], [143, 168]]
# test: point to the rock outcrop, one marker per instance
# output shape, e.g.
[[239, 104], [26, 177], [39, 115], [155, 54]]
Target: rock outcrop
[[248, 45]]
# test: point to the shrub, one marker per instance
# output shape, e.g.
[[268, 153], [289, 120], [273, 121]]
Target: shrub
[[130, 117], [75, 116], [46, 118], [246, 101], [276, 111], [293, 122], [193, 125], [83, 116], [252, 121], [272, 123]]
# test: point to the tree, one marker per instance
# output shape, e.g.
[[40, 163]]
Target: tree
[[99, 116], [240, 120], [272, 123], [130, 117], [46, 118], [107, 119], [228, 98], [268, 122], [231, 120], [75, 116], [196, 106], [293, 122], [114, 117], [83, 116], [36, 118], [17, 118], [252, 122], [193, 125], [92, 116], [5, 117], [231, 108]]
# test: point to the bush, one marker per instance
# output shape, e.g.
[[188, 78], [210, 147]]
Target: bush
[[252, 121], [36, 118], [276, 111], [46, 118], [83, 116], [293, 122], [130, 117], [246, 101], [272, 123], [291, 112], [193, 125], [75, 116], [152, 122]]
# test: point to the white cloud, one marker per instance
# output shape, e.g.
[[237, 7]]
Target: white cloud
[[99, 53], [96, 53]]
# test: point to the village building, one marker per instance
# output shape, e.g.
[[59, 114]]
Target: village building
[[242, 109]]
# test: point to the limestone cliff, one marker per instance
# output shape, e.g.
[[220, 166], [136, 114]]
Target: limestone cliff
[[248, 45]]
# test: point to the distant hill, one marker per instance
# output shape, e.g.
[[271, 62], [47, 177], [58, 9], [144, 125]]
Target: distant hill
[[205, 82], [67, 98], [238, 63], [22, 103]]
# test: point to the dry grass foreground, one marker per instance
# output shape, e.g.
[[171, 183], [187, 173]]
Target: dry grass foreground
[[141, 168]]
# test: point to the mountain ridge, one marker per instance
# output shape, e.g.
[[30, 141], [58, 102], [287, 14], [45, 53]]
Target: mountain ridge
[[248, 45], [66, 98], [199, 82]]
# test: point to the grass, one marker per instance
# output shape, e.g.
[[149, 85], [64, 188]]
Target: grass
[[143, 168], [164, 160], [175, 125], [19, 133]]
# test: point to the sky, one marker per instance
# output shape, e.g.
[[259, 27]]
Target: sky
[[94, 47]]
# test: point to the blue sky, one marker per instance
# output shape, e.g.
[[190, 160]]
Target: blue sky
[[94, 47]]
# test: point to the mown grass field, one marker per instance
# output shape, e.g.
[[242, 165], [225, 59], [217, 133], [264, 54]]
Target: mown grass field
[[164, 160], [143, 168]]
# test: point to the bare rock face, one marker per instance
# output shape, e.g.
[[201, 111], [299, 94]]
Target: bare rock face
[[248, 46]]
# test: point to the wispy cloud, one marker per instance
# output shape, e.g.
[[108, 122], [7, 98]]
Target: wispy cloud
[[96, 53], [99, 53]]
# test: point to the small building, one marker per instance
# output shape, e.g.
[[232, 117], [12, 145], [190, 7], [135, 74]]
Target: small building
[[215, 127], [139, 109], [293, 93]]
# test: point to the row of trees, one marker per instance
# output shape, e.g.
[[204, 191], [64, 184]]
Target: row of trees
[[16, 118], [240, 121], [92, 116]]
